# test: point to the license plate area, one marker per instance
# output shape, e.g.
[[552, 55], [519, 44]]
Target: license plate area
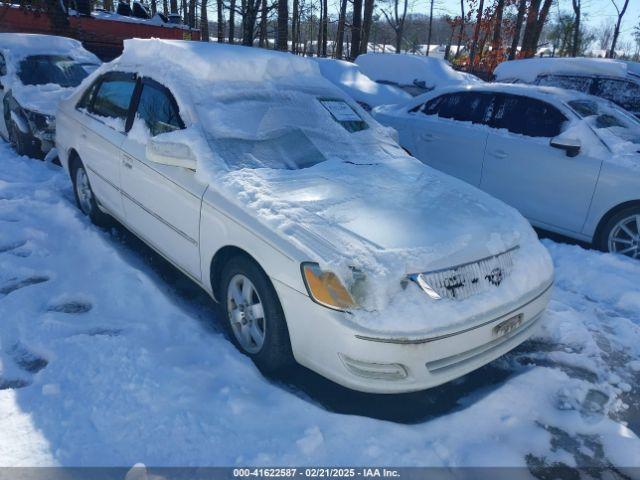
[[508, 325]]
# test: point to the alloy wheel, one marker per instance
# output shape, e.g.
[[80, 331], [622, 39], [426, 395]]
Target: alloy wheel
[[85, 196], [246, 314], [625, 237]]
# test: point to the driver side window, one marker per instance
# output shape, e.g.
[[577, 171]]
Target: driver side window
[[158, 109]]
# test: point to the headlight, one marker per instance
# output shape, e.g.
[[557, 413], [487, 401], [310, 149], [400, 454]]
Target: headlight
[[40, 121], [325, 288]]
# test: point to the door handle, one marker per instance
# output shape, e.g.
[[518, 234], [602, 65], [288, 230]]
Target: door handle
[[126, 162], [500, 154], [83, 133]]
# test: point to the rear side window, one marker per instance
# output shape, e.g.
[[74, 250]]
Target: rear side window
[[158, 109], [463, 106], [623, 92], [570, 82], [527, 116], [113, 97]]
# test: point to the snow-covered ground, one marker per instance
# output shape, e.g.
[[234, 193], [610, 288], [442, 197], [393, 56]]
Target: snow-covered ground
[[110, 357]]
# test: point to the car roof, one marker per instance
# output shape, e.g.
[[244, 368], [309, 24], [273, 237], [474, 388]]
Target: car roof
[[21, 45], [527, 70]]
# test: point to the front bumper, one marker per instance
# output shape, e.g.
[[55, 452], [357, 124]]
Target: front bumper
[[328, 343]]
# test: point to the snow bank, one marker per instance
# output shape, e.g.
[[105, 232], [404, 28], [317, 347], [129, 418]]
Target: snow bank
[[404, 69], [102, 376], [347, 76], [527, 70], [17, 46]]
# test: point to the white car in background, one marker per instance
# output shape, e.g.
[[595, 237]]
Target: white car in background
[[322, 240], [569, 162], [611, 79], [414, 74], [348, 78], [36, 72]]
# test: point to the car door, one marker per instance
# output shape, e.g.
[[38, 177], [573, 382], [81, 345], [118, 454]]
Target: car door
[[448, 133], [161, 202], [106, 107], [522, 168]]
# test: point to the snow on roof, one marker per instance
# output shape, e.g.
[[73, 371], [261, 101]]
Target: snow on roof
[[527, 70], [20, 45], [348, 77], [217, 62], [404, 69]]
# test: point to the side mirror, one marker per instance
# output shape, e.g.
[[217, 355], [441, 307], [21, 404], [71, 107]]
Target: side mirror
[[570, 145], [171, 153]]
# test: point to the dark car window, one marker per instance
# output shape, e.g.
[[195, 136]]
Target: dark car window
[[462, 106], [158, 109], [570, 82], [114, 96], [527, 116], [623, 92], [44, 69]]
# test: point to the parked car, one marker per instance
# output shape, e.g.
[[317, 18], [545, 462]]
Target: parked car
[[614, 80], [348, 78], [414, 74], [321, 239], [36, 71], [569, 162]]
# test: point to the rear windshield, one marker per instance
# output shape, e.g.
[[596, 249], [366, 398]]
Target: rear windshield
[[56, 69]]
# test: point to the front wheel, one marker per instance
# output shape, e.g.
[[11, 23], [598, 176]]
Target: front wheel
[[85, 197], [621, 233], [254, 315]]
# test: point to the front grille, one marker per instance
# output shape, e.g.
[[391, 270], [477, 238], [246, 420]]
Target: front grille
[[463, 281]]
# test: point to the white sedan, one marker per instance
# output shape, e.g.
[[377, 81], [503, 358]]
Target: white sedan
[[569, 162], [322, 240]]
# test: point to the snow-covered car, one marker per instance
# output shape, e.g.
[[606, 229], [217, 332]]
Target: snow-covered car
[[323, 241], [36, 72], [614, 80], [568, 162], [414, 74], [348, 78]]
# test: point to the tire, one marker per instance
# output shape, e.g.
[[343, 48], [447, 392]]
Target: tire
[[273, 354], [621, 233], [23, 143], [85, 198]]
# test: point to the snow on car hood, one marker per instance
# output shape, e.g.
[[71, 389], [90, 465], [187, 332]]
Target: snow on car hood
[[41, 98]]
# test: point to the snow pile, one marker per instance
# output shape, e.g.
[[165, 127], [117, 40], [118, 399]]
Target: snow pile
[[527, 70], [15, 47], [347, 77], [93, 374], [405, 69]]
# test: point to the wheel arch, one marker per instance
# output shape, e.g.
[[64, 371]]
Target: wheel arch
[[73, 160], [222, 255], [610, 213]]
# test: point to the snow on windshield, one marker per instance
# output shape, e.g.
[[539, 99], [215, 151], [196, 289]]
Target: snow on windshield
[[286, 129], [618, 129]]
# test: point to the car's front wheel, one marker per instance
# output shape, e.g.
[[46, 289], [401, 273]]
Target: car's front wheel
[[254, 315], [85, 198], [22, 142], [621, 233]]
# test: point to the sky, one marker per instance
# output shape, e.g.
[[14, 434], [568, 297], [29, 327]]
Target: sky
[[597, 11]]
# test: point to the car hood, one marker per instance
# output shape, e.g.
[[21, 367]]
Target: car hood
[[40, 98], [399, 210]]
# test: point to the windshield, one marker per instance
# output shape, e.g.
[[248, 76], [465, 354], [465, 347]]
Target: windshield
[[613, 123], [285, 129], [43, 69]]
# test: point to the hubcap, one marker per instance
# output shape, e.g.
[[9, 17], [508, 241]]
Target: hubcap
[[84, 191], [625, 237], [246, 314]]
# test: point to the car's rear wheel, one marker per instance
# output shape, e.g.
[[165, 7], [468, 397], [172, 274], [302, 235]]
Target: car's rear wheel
[[621, 233], [22, 142], [253, 314], [85, 198]]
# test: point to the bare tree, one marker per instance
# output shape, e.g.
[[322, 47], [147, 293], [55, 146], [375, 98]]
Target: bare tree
[[204, 21], [430, 27], [522, 7], [367, 22], [356, 27], [396, 18], [340, 32], [282, 32], [295, 26], [577, 6], [461, 34], [174, 6], [496, 42], [220, 8], [536, 18], [476, 34], [232, 21], [262, 42], [604, 34], [616, 32]]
